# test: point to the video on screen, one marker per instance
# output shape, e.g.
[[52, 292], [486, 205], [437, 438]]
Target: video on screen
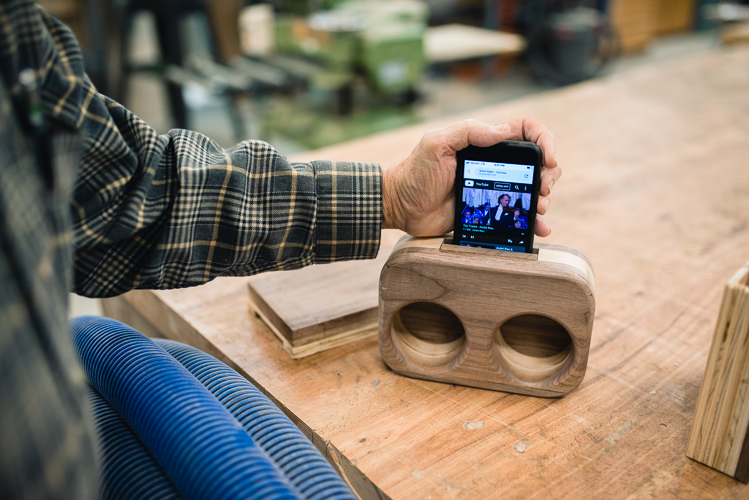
[[494, 209]]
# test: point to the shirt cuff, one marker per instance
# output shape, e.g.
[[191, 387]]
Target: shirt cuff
[[349, 210]]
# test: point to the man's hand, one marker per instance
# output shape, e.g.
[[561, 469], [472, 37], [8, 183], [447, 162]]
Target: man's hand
[[418, 193]]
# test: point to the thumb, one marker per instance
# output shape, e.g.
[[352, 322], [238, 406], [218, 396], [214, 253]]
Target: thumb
[[476, 133]]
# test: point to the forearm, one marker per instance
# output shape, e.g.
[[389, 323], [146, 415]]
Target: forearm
[[175, 210], [179, 210]]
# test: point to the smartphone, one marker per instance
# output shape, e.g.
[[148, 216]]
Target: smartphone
[[496, 195]]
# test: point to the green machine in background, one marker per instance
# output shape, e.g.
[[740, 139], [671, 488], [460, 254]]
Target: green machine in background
[[392, 46], [383, 40], [367, 58]]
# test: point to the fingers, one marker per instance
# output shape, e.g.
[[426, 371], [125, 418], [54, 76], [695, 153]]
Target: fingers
[[473, 132], [476, 133], [549, 177], [529, 129], [544, 202], [542, 228]]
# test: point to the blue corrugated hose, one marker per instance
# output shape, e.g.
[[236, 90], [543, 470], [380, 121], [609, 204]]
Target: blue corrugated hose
[[300, 461], [200, 446], [129, 471]]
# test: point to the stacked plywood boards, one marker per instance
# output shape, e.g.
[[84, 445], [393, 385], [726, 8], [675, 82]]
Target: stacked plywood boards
[[719, 431], [321, 307], [318, 307]]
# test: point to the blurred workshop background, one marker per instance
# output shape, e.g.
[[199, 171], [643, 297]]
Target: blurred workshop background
[[303, 74]]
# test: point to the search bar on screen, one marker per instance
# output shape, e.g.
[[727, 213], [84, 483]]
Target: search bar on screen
[[507, 172]]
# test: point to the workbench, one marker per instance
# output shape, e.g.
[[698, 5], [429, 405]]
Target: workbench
[[655, 192]]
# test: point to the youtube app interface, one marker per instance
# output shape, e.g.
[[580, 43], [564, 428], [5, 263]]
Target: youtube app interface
[[496, 206]]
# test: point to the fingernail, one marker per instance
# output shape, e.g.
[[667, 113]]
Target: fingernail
[[548, 202], [502, 127], [551, 184]]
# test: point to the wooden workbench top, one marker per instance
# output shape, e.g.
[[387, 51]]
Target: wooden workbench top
[[656, 193]]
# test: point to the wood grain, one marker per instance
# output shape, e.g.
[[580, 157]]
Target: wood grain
[[655, 193], [719, 435], [534, 335], [487, 320], [431, 323], [321, 307], [448, 246]]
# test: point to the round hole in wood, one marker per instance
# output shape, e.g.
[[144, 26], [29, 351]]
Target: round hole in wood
[[430, 334], [533, 346]]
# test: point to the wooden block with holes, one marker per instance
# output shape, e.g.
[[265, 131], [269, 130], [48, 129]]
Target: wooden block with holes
[[719, 436], [495, 320]]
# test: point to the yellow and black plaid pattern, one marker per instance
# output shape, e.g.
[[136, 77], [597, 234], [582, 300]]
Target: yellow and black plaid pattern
[[121, 207], [174, 210]]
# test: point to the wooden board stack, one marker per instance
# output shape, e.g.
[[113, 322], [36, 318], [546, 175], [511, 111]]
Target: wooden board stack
[[719, 431], [318, 308]]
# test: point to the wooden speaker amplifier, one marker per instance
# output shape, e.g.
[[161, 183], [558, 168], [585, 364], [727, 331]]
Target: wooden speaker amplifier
[[496, 320]]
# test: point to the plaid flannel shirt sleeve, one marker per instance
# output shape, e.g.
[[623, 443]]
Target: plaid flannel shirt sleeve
[[175, 210]]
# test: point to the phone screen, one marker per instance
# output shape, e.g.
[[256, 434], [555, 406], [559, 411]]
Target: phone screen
[[495, 204]]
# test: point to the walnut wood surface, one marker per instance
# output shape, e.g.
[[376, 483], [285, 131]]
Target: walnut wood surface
[[517, 325], [320, 307], [448, 246], [719, 436], [655, 192]]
